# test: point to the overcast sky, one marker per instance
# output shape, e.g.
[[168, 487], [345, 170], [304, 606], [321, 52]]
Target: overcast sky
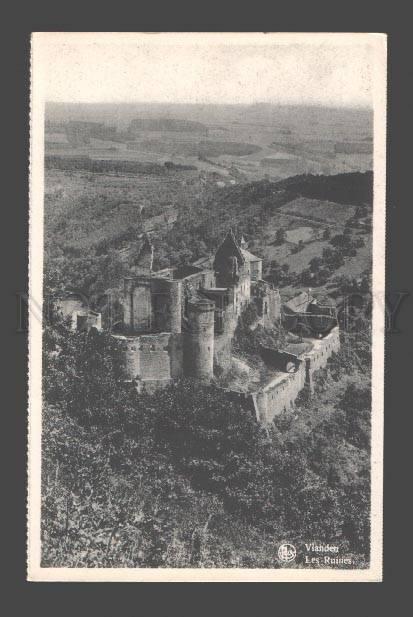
[[333, 70]]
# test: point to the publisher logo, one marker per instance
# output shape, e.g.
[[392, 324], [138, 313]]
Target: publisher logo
[[287, 552]]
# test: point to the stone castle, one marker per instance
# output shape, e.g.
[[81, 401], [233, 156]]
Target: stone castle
[[180, 322]]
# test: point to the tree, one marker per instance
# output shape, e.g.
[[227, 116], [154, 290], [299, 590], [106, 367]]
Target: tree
[[333, 259], [83, 373], [315, 264], [280, 236]]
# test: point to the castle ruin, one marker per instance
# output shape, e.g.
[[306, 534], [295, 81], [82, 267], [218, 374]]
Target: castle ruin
[[180, 322]]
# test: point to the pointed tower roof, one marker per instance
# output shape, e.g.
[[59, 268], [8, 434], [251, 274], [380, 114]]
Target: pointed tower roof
[[230, 246]]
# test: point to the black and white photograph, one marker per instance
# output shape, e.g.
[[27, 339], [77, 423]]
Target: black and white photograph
[[206, 306]]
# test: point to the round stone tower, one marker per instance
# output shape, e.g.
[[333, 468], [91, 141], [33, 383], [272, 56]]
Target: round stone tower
[[175, 307], [199, 339]]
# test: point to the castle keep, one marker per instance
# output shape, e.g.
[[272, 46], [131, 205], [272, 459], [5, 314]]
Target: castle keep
[[181, 321]]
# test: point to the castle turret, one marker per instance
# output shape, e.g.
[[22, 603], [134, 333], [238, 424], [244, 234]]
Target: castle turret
[[199, 339], [229, 262]]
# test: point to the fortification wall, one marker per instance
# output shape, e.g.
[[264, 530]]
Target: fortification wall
[[131, 356], [280, 394], [141, 306], [321, 352], [166, 303], [127, 303], [137, 304], [155, 362], [152, 358], [223, 349]]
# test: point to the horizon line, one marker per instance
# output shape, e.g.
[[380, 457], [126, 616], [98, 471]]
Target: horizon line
[[234, 104]]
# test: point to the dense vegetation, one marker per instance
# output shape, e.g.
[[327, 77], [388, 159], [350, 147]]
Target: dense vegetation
[[338, 188], [185, 477], [86, 163]]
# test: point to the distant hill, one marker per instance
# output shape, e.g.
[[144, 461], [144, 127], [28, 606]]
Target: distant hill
[[352, 188], [165, 124]]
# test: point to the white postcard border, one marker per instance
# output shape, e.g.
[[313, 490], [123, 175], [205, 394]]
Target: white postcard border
[[34, 571]]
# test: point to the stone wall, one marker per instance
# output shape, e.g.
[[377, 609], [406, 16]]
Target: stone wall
[[82, 318], [155, 361], [70, 307], [152, 358], [141, 311], [168, 305], [322, 350], [280, 393], [268, 303], [152, 304], [223, 342]]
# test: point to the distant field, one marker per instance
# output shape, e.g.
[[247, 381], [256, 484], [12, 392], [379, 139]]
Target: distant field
[[322, 211], [195, 148], [298, 261], [244, 138], [353, 266], [300, 233], [318, 216]]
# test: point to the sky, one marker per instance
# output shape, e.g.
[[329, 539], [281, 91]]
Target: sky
[[321, 69]]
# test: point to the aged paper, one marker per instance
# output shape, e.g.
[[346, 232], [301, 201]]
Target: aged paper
[[206, 295]]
